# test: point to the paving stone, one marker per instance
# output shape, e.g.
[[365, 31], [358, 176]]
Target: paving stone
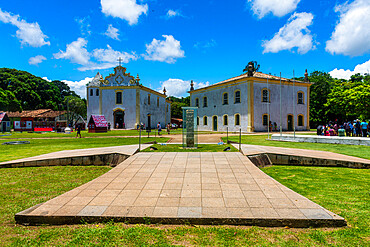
[[92, 211], [313, 213], [189, 212]]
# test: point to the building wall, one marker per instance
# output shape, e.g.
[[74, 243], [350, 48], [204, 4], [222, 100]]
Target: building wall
[[157, 113], [92, 102], [217, 108], [128, 105], [258, 108], [129, 98], [273, 107]]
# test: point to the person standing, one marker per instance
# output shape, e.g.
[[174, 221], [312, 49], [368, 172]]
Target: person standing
[[364, 128], [78, 131], [159, 127], [168, 128]]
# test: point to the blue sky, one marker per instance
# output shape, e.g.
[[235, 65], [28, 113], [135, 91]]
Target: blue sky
[[169, 43]]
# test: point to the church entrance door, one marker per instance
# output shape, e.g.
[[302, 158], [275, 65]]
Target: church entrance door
[[290, 122], [214, 123], [119, 119]]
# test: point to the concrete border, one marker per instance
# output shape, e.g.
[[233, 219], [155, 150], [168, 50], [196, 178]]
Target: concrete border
[[322, 139], [112, 160], [25, 219]]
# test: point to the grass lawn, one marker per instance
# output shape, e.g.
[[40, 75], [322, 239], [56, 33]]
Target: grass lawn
[[342, 190], [353, 150], [201, 148], [43, 146]]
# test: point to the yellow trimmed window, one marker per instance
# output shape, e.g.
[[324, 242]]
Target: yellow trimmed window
[[226, 120]]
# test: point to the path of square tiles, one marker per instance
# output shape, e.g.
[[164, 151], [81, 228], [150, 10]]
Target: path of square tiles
[[200, 188]]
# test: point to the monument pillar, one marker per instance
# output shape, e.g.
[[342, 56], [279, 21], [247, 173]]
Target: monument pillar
[[189, 127]]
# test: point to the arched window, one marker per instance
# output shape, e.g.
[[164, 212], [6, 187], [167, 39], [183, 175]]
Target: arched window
[[265, 119], [300, 98], [119, 98], [97, 92], [205, 120], [91, 92], [226, 120], [237, 97], [148, 99], [205, 102], [157, 101], [166, 108], [196, 102], [237, 119], [265, 95], [197, 120], [300, 120], [225, 99]]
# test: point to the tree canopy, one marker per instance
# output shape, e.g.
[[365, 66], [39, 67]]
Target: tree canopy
[[338, 99], [20, 90]]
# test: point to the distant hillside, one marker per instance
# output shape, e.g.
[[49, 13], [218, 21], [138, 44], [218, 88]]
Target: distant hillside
[[20, 90]]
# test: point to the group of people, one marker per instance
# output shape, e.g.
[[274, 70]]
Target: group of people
[[159, 128], [354, 128]]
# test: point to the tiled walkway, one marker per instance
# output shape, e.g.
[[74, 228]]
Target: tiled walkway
[[197, 188]]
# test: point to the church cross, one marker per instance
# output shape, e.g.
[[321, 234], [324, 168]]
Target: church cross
[[119, 61]]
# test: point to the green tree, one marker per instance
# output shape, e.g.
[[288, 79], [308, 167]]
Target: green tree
[[76, 107], [351, 99], [32, 92], [8, 101], [319, 92], [176, 105]]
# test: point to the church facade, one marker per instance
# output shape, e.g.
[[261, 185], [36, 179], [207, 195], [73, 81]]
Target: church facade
[[126, 103], [251, 102]]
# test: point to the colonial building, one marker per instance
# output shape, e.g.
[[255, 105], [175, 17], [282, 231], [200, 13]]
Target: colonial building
[[250, 101], [126, 103]]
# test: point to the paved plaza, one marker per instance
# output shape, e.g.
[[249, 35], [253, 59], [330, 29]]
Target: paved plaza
[[175, 188]]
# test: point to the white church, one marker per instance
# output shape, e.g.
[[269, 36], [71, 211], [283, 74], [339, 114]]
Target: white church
[[251, 101], [126, 103]]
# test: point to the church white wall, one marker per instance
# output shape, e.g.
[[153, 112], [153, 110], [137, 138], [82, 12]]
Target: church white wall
[[260, 107], [92, 102], [216, 108], [157, 113], [128, 106]]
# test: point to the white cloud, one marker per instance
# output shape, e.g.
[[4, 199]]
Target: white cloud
[[128, 10], [164, 51], [112, 32], [276, 7], [105, 58], [76, 52], [204, 46], [28, 33], [346, 74], [46, 79], [293, 34], [110, 55], [178, 87], [79, 86], [352, 33], [36, 60], [172, 13], [84, 25]]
